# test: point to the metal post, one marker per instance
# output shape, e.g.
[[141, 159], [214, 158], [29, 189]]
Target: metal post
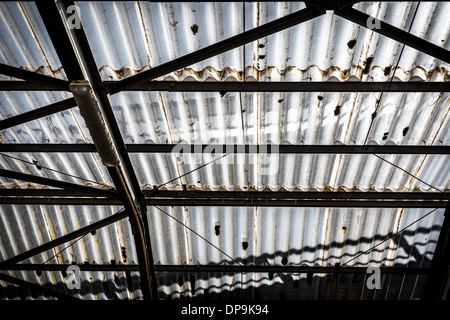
[[440, 262]]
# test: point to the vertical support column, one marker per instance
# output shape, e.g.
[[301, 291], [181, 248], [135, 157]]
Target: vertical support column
[[440, 262]]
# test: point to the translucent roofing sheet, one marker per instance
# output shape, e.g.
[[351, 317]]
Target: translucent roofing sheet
[[130, 37]]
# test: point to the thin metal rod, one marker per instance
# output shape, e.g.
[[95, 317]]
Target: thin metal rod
[[284, 86], [36, 287], [218, 48], [37, 113], [68, 237]]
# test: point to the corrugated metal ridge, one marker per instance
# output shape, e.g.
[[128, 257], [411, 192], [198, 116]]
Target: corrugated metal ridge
[[178, 187], [291, 73]]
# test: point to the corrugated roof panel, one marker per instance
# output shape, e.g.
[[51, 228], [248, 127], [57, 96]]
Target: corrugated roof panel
[[25, 227], [127, 38], [292, 236], [147, 32], [24, 40], [298, 118], [351, 51]]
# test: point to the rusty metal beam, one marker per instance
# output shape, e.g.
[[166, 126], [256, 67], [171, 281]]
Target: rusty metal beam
[[88, 191], [19, 73], [205, 194], [14, 85], [299, 195], [284, 86]]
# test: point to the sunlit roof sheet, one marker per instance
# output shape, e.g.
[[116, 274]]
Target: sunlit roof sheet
[[130, 37]]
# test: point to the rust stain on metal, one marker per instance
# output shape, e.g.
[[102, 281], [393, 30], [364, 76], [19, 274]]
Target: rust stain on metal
[[36, 39], [397, 228], [144, 31], [255, 232], [324, 251], [438, 127]]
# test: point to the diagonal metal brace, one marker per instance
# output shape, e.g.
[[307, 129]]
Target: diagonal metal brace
[[396, 34]]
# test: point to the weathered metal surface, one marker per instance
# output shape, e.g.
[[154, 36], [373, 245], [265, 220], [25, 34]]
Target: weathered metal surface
[[130, 37]]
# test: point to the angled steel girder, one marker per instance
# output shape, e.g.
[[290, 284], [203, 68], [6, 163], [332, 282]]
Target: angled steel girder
[[33, 76], [36, 287], [218, 48], [228, 148], [77, 59], [37, 113], [284, 86], [14, 85], [68, 237], [87, 191], [440, 262], [396, 34]]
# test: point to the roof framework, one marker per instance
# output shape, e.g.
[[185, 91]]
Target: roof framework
[[77, 59]]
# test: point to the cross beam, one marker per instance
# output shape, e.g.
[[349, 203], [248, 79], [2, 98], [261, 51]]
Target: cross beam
[[88, 191], [37, 113], [233, 148], [216, 268], [33, 76], [283, 86]]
